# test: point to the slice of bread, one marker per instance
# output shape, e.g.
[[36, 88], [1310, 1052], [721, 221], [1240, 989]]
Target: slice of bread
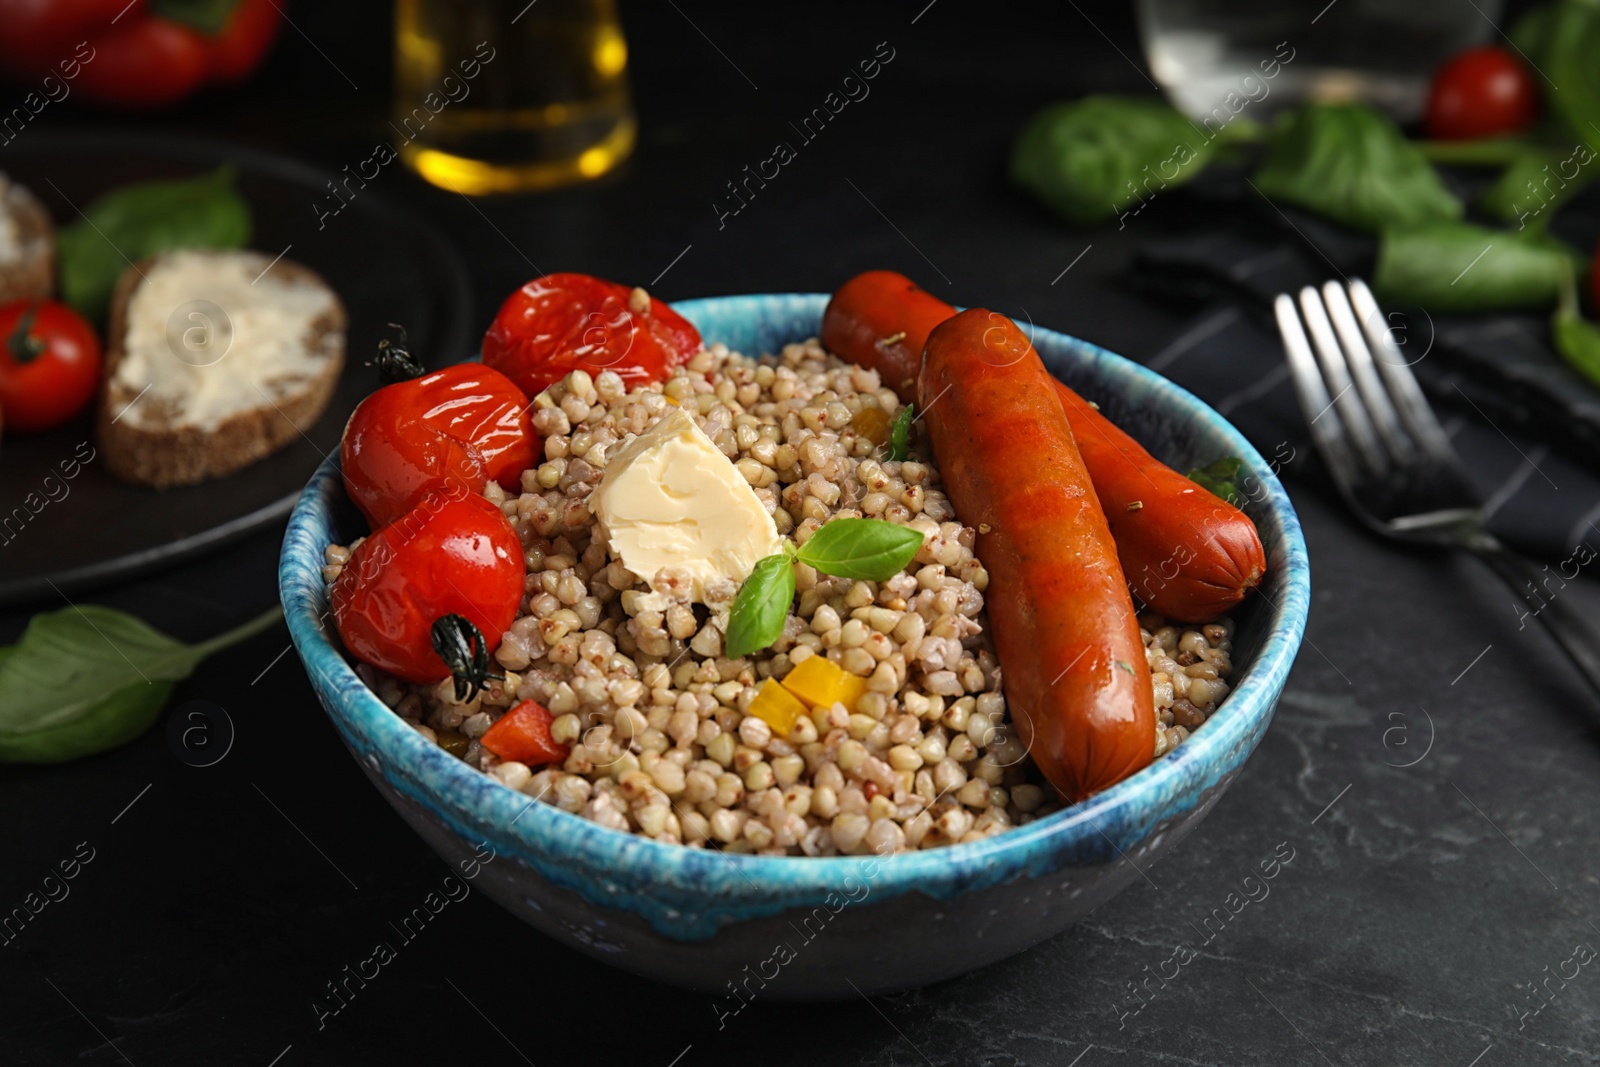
[[27, 245], [214, 359]]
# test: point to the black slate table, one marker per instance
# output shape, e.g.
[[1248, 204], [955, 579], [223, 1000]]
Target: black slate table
[[1432, 766]]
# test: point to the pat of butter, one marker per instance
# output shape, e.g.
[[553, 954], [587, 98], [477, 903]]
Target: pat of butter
[[671, 502]]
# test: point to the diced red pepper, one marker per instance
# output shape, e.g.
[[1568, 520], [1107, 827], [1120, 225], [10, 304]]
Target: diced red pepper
[[523, 734]]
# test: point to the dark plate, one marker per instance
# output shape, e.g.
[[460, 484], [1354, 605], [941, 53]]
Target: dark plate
[[386, 264]]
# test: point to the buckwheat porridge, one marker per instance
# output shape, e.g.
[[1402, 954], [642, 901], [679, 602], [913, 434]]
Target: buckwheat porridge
[[666, 736]]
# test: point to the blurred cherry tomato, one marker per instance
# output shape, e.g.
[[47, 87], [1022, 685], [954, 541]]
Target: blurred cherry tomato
[[145, 63], [1482, 92], [49, 364], [462, 425], [35, 34], [565, 322], [398, 598], [136, 54]]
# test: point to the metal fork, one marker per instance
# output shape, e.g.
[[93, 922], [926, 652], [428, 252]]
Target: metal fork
[[1389, 456]]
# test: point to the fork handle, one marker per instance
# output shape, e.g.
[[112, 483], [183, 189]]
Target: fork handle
[[1540, 591]]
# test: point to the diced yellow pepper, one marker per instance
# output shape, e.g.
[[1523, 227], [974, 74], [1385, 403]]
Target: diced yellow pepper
[[820, 683], [873, 424], [777, 707]]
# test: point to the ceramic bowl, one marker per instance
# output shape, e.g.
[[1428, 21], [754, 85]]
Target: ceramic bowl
[[736, 926]]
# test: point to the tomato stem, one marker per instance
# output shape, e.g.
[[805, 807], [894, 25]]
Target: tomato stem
[[462, 647], [395, 362], [246, 629], [24, 345]]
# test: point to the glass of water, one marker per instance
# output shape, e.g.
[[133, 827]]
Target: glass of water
[[1270, 56]]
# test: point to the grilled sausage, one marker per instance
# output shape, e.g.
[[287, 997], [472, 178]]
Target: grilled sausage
[[1187, 554], [1060, 614]]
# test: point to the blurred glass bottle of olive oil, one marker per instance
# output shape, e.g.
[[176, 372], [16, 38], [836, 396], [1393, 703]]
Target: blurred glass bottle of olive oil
[[548, 104]]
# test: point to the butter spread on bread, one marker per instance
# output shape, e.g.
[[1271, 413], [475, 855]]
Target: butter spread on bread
[[215, 358]]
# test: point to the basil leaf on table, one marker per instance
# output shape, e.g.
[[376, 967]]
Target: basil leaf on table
[[1089, 159], [87, 678], [756, 619], [900, 433], [1460, 267], [1529, 33], [1352, 164], [1534, 187], [1578, 342], [868, 549], [1569, 56], [1576, 339], [140, 220], [1221, 479]]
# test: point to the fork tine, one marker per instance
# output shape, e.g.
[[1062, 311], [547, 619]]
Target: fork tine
[[1327, 431], [1371, 387], [1396, 371], [1337, 374]]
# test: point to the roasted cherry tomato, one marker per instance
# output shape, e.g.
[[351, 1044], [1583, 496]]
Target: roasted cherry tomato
[[523, 734], [49, 364], [1482, 92], [429, 595], [565, 322], [463, 425]]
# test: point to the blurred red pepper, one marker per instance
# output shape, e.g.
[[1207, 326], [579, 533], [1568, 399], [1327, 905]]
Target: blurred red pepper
[[139, 53]]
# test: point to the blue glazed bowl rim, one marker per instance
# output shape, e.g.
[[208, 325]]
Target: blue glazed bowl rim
[[545, 831]]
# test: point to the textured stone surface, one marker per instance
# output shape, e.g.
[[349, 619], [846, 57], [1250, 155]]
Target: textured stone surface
[[1407, 928]]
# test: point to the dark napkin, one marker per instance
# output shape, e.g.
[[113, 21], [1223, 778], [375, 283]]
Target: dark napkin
[[1526, 425], [1541, 497], [1503, 363]]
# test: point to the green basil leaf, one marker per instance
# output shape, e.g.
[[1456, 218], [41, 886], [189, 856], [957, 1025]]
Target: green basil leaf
[[1466, 268], [900, 433], [1576, 339], [207, 16], [1221, 479], [1532, 30], [1532, 189], [1567, 46], [88, 678], [756, 619], [1089, 159], [1578, 342], [1352, 164], [140, 220], [869, 549]]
